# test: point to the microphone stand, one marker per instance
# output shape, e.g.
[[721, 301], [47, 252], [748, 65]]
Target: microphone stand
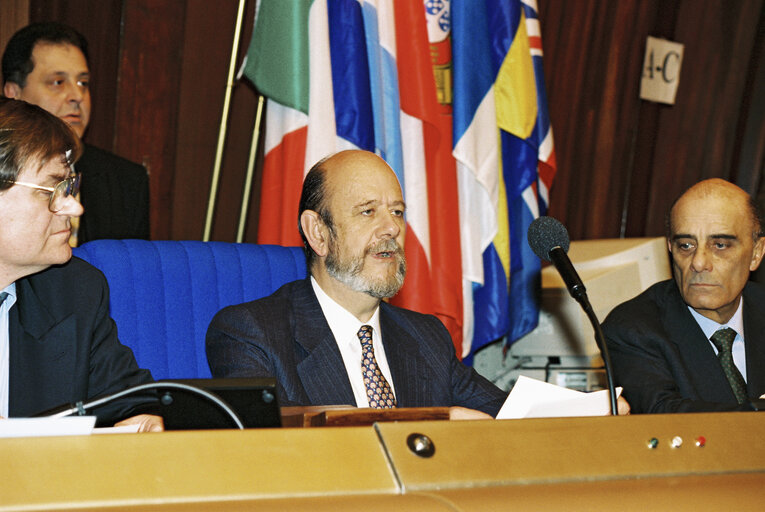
[[549, 240], [560, 259], [80, 408], [601, 341], [577, 290]]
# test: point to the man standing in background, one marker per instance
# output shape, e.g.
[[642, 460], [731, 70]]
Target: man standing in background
[[46, 64]]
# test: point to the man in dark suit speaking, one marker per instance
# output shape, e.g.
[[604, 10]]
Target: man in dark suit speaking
[[58, 344], [46, 64], [331, 339], [697, 342]]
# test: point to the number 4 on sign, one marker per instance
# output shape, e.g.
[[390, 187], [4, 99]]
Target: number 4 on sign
[[661, 70]]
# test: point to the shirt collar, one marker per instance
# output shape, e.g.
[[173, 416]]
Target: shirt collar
[[10, 300], [341, 320], [710, 326]]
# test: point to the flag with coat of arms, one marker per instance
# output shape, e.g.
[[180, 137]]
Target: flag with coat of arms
[[451, 95]]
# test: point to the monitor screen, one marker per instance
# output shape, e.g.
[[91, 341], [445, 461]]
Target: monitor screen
[[562, 348], [613, 271], [252, 399]]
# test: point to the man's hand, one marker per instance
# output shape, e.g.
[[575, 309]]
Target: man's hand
[[146, 423], [463, 413], [622, 406]]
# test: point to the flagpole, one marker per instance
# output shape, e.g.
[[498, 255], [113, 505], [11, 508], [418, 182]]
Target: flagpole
[[250, 168], [223, 124]]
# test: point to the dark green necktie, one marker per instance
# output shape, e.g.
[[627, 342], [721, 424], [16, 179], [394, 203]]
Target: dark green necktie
[[723, 340]]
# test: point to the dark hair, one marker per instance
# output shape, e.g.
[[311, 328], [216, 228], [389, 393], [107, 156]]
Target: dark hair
[[30, 135], [756, 212], [314, 197], [17, 57]]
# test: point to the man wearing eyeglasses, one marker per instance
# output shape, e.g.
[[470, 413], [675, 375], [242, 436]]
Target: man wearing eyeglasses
[[58, 344], [46, 64]]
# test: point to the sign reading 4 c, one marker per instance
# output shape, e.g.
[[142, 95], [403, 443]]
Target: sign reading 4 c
[[661, 70]]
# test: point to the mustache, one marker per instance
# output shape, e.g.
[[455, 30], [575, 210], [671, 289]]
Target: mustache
[[387, 245], [698, 279]]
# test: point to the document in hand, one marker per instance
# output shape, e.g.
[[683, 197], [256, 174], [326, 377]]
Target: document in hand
[[34, 427], [532, 398]]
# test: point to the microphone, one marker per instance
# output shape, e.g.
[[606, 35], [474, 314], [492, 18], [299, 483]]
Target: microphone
[[549, 240], [81, 408]]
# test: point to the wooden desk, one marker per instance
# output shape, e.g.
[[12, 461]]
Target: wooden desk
[[535, 464], [349, 416]]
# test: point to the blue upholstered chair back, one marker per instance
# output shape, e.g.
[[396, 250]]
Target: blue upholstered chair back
[[164, 293]]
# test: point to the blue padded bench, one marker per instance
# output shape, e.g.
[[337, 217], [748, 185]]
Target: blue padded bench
[[164, 293]]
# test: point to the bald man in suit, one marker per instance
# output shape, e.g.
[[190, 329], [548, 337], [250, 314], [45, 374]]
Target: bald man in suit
[[661, 342], [331, 339]]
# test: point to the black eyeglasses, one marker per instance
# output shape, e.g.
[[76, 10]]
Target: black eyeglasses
[[58, 194]]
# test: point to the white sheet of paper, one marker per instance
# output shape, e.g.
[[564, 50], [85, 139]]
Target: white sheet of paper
[[33, 427], [123, 429], [532, 398]]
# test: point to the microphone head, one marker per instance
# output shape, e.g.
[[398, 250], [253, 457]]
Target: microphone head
[[546, 233]]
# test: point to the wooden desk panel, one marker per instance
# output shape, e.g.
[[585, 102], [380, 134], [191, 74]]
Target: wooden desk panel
[[356, 503], [479, 453], [124, 469], [545, 464], [348, 416], [739, 492]]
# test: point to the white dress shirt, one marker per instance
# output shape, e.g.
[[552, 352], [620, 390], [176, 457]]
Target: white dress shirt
[[737, 324], [10, 300], [345, 327]]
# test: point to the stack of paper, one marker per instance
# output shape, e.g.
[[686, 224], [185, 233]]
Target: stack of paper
[[531, 398]]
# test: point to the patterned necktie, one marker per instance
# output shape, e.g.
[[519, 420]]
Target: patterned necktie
[[379, 393], [723, 340], [3, 296]]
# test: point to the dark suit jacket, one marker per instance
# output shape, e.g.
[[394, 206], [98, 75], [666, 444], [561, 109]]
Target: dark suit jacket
[[665, 363], [64, 347], [287, 337], [115, 195]]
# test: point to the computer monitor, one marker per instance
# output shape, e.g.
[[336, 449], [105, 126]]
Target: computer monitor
[[253, 401], [613, 271]]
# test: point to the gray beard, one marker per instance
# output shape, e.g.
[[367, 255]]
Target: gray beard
[[349, 271]]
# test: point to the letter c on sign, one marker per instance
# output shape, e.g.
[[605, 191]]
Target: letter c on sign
[[665, 66]]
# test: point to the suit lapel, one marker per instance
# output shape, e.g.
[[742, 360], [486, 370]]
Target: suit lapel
[[408, 370], [695, 349], [754, 327], [320, 365], [40, 353]]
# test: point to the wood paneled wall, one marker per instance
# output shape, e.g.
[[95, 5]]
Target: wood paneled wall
[[622, 160], [160, 68]]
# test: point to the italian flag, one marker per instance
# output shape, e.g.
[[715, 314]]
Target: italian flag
[[359, 74]]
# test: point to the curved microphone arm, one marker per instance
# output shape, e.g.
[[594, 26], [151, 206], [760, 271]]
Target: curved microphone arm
[[601, 341], [549, 240], [80, 408]]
